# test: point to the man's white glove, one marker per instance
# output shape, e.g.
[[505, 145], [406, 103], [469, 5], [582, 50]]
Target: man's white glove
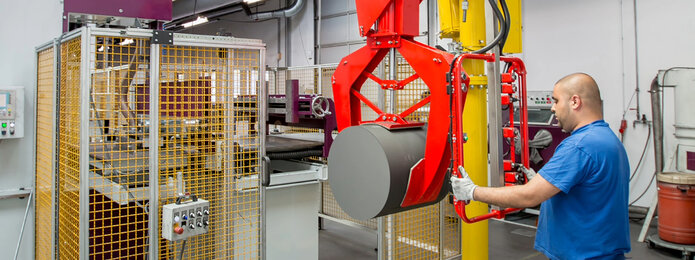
[[463, 187], [530, 173]]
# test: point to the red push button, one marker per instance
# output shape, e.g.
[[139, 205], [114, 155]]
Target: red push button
[[178, 230]]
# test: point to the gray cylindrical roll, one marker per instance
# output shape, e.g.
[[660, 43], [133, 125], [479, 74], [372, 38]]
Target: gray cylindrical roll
[[369, 167]]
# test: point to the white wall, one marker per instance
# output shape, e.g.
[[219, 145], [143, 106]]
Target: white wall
[[26, 25], [597, 37], [339, 33], [301, 33]]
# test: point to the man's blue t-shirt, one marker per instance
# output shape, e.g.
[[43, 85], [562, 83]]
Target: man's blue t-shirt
[[589, 218]]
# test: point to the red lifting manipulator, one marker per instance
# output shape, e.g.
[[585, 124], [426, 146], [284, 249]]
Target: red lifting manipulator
[[397, 26], [392, 24]]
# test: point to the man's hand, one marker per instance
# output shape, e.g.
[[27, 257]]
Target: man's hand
[[463, 187], [530, 173]]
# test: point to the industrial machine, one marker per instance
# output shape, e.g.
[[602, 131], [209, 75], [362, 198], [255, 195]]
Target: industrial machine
[[11, 112], [300, 133], [390, 164], [150, 14], [675, 177], [305, 111], [136, 119], [404, 163]]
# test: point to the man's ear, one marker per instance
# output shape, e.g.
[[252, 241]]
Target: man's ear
[[575, 102]]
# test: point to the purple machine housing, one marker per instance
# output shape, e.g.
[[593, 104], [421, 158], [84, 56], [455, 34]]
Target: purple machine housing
[[110, 11], [294, 109]]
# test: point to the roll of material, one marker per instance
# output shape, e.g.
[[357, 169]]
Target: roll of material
[[369, 167]]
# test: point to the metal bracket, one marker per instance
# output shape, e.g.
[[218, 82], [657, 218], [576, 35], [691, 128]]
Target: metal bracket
[[20, 193], [384, 41], [162, 37]]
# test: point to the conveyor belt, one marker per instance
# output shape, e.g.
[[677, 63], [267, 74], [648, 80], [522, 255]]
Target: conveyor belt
[[292, 147], [276, 144], [122, 164]]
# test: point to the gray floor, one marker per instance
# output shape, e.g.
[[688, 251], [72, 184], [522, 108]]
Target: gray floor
[[507, 241]]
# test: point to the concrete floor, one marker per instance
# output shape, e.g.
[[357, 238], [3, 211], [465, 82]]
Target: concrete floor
[[507, 241]]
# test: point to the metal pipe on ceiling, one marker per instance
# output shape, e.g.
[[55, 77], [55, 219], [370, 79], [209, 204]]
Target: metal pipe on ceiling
[[280, 13]]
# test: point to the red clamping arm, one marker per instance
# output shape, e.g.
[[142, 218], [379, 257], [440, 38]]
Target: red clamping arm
[[397, 25]]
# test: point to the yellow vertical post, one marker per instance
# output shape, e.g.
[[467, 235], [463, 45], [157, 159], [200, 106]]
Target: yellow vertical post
[[472, 24], [448, 18], [464, 22], [474, 237], [513, 43]]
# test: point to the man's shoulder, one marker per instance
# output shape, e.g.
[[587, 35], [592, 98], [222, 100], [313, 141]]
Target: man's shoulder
[[598, 136]]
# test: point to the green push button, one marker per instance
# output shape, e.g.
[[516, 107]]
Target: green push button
[[4, 125]]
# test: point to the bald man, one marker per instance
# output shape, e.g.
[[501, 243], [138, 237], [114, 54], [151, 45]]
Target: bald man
[[583, 189]]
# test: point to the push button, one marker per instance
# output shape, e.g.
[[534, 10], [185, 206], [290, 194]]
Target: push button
[[178, 230]]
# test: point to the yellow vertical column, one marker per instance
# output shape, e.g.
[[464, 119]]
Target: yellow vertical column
[[448, 18], [472, 24], [514, 40], [474, 237]]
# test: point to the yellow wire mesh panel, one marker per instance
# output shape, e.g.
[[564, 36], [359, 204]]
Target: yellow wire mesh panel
[[118, 149], [411, 93], [325, 80], [209, 146], [415, 234], [69, 150], [45, 111], [276, 81], [370, 90]]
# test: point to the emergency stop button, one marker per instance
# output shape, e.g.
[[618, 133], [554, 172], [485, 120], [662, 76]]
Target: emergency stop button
[[178, 230]]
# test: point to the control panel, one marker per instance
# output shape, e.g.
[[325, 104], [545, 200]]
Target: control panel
[[11, 112], [540, 99], [182, 220]]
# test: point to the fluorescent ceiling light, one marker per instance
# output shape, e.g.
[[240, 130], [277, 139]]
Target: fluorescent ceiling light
[[251, 1], [126, 41], [200, 20]]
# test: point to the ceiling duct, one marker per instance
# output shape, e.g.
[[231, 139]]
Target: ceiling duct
[[280, 13]]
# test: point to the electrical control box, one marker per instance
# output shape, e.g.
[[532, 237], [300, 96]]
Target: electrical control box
[[185, 219], [539, 104], [539, 99], [11, 112]]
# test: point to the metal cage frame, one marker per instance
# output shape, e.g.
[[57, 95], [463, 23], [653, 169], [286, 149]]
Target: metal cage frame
[[87, 36]]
